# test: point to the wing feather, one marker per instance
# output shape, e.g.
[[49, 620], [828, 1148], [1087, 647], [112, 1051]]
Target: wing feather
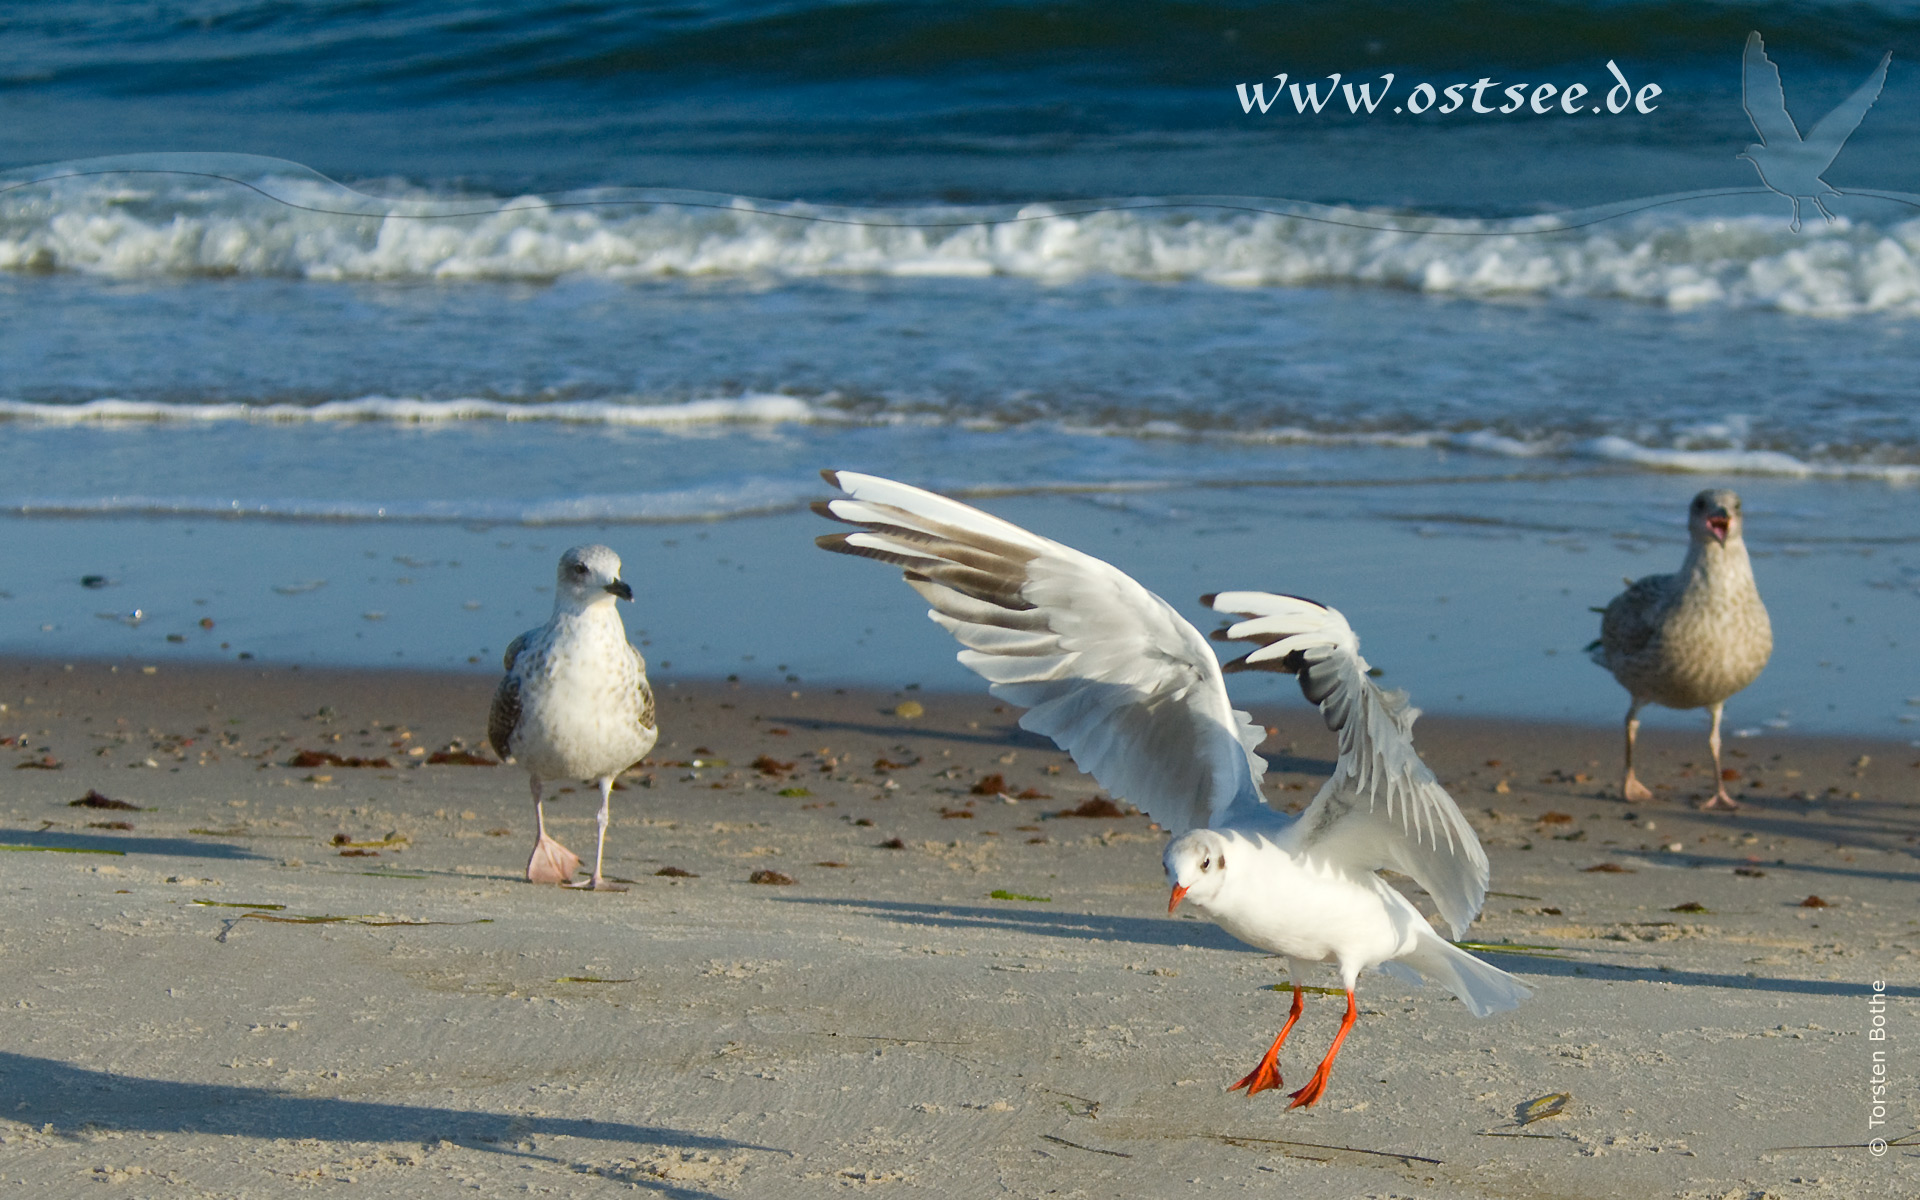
[[1383, 807], [1103, 666], [504, 717], [1832, 131], [1764, 99]]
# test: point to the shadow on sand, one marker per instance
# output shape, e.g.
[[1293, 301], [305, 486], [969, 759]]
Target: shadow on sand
[[164, 846], [43, 1092], [1152, 931]]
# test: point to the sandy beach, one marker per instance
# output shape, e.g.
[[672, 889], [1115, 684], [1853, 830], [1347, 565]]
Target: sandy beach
[[279, 971]]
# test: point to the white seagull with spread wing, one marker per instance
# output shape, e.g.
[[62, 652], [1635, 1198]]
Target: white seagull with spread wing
[[1132, 691], [1787, 164]]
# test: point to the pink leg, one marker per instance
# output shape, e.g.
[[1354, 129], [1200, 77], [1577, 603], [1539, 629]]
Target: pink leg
[[1721, 802], [598, 883], [1317, 1086], [1267, 1074], [551, 862], [1632, 789]]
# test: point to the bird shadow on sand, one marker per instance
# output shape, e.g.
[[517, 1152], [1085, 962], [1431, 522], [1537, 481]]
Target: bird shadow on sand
[[1527, 964], [1162, 932], [1079, 927], [1770, 866], [1014, 737], [72, 1100], [1000, 736], [163, 846]]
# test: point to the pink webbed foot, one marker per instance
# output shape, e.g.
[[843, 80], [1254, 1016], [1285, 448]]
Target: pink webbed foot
[[1635, 791], [1721, 802], [551, 862]]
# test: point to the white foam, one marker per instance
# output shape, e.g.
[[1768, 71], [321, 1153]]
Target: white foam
[[742, 498], [158, 226], [751, 409]]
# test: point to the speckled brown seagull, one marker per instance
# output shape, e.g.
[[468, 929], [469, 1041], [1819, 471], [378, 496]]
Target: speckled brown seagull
[[1693, 638], [575, 703]]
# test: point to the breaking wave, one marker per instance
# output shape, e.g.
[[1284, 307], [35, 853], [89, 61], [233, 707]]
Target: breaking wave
[[166, 216]]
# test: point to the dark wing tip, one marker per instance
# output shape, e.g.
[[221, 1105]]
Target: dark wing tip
[[836, 542], [1209, 598], [823, 508], [831, 476]]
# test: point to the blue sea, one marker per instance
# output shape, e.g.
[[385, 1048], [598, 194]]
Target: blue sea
[[325, 326]]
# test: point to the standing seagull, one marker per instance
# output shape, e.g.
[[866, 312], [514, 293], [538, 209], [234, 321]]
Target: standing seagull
[[1120, 681], [575, 703], [1693, 638], [1787, 164]]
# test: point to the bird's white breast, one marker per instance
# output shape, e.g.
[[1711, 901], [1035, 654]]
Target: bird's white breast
[[1307, 909], [580, 699]]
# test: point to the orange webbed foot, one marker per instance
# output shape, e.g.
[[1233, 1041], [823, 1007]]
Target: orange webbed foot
[[1263, 1078], [1309, 1095]]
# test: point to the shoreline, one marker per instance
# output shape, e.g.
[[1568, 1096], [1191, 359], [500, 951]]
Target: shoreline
[[956, 995]]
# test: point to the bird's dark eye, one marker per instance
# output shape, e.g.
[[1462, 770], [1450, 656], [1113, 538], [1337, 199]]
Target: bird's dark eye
[[1206, 864]]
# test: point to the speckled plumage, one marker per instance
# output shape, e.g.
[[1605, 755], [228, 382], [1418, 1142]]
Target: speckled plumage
[[575, 703], [1693, 638]]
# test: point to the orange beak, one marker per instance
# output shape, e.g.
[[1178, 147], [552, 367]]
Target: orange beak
[[1173, 901]]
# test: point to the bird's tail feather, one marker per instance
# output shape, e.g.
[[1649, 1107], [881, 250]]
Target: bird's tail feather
[[1484, 988]]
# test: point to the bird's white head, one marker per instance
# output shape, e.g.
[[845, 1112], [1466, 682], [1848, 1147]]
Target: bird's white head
[[588, 575], [1196, 863], [1714, 517]]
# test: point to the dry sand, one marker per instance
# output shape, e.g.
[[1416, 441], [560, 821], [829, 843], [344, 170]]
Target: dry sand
[[883, 1024]]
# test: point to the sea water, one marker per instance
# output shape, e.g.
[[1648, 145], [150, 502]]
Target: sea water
[[322, 333]]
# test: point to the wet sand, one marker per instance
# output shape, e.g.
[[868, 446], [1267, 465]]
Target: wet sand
[[276, 976]]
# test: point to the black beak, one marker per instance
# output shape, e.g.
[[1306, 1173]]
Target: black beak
[[619, 588]]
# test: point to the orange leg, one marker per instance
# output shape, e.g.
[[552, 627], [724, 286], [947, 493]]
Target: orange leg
[[1317, 1086], [1267, 1074]]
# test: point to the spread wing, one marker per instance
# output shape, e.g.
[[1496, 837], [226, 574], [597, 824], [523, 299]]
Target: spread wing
[[504, 717], [1382, 807], [1104, 667], [1764, 99], [1834, 128]]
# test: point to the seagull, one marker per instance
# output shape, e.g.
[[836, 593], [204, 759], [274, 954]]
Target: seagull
[[1132, 691], [1787, 164], [1690, 639], [575, 703]]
